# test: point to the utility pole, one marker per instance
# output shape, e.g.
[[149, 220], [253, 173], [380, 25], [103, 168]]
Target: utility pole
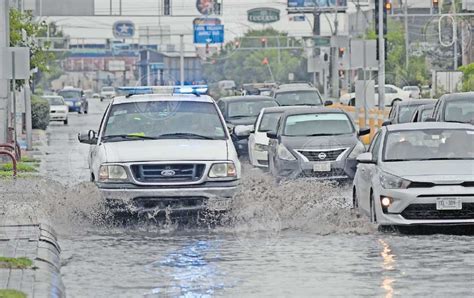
[[407, 43], [181, 59], [381, 68], [334, 55], [4, 86]]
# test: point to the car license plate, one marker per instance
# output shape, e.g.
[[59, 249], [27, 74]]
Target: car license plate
[[218, 204], [448, 204], [322, 167]]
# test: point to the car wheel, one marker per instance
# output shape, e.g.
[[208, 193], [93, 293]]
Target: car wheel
[[271, 167], [373, 213], [352, 102], [66, 121], [86, 111], [355, 201], [395, 101]]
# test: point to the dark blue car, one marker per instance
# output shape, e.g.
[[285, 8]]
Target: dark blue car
[[75, 99]]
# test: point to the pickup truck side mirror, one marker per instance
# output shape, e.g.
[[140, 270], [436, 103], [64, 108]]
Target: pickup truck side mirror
[[328, 103], [366, 158], [388, 122], [364, 131], [89, 137], [272, 135], [243, 131]]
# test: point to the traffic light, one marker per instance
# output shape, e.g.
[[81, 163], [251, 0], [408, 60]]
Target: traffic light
[[341, 52], [264, 42], [387, 7]]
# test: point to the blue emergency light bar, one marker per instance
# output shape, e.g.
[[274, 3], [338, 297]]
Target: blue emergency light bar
[[187, 89], [191, 89]]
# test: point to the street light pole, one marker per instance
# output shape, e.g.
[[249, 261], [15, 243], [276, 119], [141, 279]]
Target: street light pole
[[4, 86], [181, 59], [381, 69]]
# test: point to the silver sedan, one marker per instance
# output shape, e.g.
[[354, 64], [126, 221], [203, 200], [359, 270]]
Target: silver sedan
[[418, 174]]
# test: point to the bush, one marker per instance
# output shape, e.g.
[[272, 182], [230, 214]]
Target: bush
[[39, 112]]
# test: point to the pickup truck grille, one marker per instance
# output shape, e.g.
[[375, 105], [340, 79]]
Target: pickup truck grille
[[163, 173], [326, 155]]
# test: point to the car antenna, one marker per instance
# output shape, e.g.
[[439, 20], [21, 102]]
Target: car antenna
[[129, 95]]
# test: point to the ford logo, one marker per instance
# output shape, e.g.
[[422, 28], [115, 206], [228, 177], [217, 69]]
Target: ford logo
[[168, 173], [322, 155]]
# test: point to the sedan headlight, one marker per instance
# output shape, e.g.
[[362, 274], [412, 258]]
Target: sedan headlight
[[70, 103], [112, 173], [389, 181], [284, 153], [77, 104], [261, 147], [358, 150], [223, 170]]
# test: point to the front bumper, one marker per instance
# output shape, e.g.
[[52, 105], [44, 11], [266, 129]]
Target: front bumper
[[57, 117], [340, 170], [215, 196], [75, 108], [417, 206]]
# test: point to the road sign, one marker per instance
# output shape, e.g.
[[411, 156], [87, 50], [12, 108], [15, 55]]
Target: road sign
[[263, 15], [123, 29], [300, 6], [208, 34], [322, 41]]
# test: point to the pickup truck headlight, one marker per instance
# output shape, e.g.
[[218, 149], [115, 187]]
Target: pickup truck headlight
[[389, 181], [284, 153], [261, 147], [223, 170], [112, 173], [358, 150]]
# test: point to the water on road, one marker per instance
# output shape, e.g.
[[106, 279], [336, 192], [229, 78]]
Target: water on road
[[298, 239]]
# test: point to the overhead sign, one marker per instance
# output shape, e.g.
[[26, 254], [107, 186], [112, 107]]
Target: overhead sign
[[264, 15], [298, 6], [123, 29], [208, 34], [208, 7], [322, 41]]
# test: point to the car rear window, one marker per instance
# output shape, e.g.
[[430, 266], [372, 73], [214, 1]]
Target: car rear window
[[460, 111], [318, 124], [299, 98]]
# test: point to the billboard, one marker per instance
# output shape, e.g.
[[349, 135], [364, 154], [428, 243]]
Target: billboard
[[299, 6]]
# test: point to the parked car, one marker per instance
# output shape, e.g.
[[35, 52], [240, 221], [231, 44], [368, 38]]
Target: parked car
[[258, 141], [154, 152], [402, 112], [423, 112], [415, 91], [243, 111], [96, 96], [107, 92], [417, 173], [58, 109], [298, 94], [393, 94], [320, 143], [75, 99], [456, 107]]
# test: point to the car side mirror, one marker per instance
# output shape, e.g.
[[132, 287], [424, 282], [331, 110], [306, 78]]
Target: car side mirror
[[243, 131], [328, 103], [364, 132], [366, 157], [388, 122], [272, 135], [89, 137]]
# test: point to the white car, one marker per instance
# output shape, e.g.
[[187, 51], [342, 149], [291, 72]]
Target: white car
[[163, 152], [58, 109], [418, 174], [107, 93], [392, 95], [414, 90], [258, 141]]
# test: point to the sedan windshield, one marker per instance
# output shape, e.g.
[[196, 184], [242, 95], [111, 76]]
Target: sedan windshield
[[299, 98], [252, 108], [70, 94], [429, 144], [55, 101], [163, 119], [269, 122], [460, 111], [318, 125]]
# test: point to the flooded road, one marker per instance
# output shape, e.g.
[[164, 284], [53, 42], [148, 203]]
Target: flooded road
[[293, 240]]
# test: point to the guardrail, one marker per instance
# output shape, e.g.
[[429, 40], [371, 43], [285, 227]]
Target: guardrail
[[12, 153]]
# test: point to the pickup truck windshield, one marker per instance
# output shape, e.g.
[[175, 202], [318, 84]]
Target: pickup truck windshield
[[164, 120]]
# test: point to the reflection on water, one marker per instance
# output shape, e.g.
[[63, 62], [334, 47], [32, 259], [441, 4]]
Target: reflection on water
[[388, 265]]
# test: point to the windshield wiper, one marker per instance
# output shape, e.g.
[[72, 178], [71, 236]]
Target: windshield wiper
[[241, 116], [129, 137], [186, 135]]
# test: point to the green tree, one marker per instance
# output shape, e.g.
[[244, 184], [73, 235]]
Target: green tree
[[468, 77]]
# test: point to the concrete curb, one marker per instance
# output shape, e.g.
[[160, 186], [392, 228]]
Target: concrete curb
[[37, 242]]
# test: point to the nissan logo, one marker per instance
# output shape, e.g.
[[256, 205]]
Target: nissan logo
[[168, 173], [322, 155]]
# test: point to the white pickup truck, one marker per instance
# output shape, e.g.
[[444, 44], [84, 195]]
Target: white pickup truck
[[154, 153]]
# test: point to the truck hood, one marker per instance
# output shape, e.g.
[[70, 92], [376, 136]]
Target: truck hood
[[433, 170], [165, 150]]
